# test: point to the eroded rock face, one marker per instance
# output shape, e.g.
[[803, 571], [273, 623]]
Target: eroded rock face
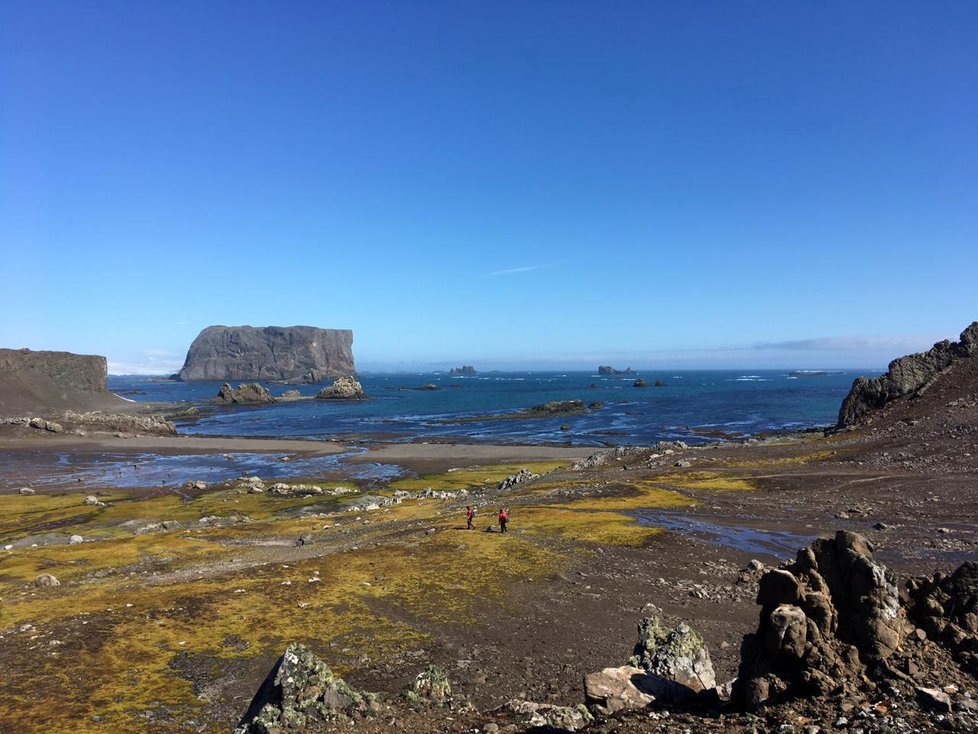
[[243, 395], [276, 353], [344, 388], [302, 693], [946, 608], [41, 381], [825, 619], [906, 376]]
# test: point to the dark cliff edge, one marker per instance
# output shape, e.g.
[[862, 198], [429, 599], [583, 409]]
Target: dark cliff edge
[[906, 377], [293, 354], [38, 382]]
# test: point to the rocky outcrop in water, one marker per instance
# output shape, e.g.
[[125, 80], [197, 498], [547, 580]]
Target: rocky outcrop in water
[[343, 388], [49, 381], [244, 394], [906, 377], [293, 354], [826, 620], [464, 371], [606, 370]]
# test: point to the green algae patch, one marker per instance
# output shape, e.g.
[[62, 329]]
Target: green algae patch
[[473, 477], [22, 515], [632, 496], [797, 460], [70, 562], [708, 482], [608, 528]]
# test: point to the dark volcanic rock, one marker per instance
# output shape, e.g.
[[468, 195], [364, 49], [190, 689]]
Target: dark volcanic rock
[[466, 370], [640, 383], [37, 381], [826, 619], [559, 407], [287, 354], [249, 393], [906, 376], [946, 607]]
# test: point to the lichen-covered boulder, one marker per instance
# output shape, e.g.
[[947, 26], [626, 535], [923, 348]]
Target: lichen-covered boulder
[[430, 687], [676, 659], [825, 620], [300, 693], [343, 388]]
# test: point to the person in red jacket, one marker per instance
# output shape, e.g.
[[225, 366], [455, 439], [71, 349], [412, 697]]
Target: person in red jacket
[[469, 517], [503, 519]]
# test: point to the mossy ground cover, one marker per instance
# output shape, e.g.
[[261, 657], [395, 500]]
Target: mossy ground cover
[[135, 612], [106, 647]]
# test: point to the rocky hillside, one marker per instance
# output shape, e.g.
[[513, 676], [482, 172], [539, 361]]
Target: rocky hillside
[[293, 354], [44, 382], [907, 377]]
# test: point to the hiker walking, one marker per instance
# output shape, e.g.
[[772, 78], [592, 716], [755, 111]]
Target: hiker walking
[[503, 519], [469, 517]]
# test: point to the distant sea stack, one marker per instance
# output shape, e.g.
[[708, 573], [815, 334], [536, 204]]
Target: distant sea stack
[[294, 354], [39, 381], [906, 377], [606, 370], [465, 370]]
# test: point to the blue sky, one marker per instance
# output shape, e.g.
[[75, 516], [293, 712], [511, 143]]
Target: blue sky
[[525, 184]]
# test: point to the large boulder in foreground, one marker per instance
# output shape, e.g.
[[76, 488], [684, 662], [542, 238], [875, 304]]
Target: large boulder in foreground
[[301, 693], [906, 376], [293, 354], [32, 382], [343, 388], [827, 619]]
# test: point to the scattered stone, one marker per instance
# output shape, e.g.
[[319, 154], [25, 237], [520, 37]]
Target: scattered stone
[[171, 524], [616, 689], [75, 539], [933, 700], [94, 501], [46, 579], [564, 718], [523, 475], [26, 490]]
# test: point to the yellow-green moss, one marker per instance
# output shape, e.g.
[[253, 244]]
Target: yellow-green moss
[[609, 528]]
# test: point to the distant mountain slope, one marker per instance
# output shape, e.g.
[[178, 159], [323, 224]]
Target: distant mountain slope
[[41, 382], [293, 354]]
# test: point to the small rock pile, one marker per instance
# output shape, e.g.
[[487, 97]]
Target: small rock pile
[[523, 475]]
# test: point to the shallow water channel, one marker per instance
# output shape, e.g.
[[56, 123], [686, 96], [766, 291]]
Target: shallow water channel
[[756, 541]]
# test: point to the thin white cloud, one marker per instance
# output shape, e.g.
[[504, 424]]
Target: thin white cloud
[[523, 269]]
